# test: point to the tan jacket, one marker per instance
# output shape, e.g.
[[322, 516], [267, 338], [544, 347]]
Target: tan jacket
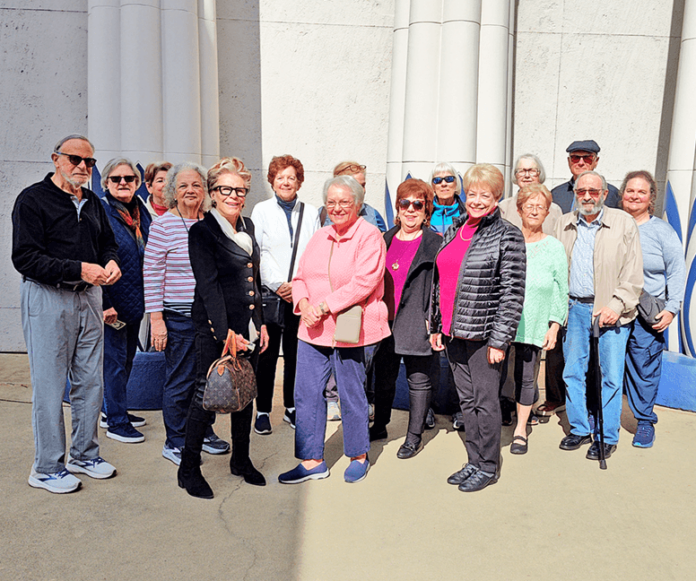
[[618, 261]]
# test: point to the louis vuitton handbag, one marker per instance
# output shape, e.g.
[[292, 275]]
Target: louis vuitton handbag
[[231, 383]]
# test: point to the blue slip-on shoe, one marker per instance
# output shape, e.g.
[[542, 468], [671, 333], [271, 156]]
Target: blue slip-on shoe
[[301, 474], [262, 425], [645, 436], [356, 471]]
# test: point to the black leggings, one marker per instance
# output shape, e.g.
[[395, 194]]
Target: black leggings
[[526, 359]]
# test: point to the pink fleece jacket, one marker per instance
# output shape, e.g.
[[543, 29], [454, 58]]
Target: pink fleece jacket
[[357, 276]]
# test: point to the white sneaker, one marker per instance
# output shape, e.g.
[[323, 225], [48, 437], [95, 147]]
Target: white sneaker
[[333, 412], [371, 411], [94, 468], [172, 454], [59, 482]]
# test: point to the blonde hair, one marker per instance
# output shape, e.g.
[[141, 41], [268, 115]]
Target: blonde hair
[[487, 174], [532, 190]]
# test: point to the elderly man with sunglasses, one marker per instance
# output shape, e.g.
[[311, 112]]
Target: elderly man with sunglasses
[[64, 248], [582, 156], [605, 280]]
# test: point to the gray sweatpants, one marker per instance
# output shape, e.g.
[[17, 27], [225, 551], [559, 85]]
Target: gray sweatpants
[[64, 333]]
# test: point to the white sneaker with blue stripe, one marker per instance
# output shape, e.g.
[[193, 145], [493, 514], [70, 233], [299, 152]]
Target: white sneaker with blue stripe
[[94, 467], [59, 482]]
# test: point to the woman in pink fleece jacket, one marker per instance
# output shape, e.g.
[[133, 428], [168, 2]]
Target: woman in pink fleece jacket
[[355, 252]]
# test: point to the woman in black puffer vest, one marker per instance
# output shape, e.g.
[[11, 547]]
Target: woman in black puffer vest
[[477, 298]]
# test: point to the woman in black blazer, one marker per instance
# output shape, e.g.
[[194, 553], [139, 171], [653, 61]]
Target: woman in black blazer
[[225, 260], [412, 247]]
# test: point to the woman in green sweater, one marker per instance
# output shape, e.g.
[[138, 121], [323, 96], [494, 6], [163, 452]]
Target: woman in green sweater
[[545, 302]]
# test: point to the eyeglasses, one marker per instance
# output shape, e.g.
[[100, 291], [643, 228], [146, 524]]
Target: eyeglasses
[[418, 205], [594, 193], [533, 208], [532, 172], [446, 179], [343, 204], [354, 168], [575, 158], [117, 179], [227, 191], [77, 160]]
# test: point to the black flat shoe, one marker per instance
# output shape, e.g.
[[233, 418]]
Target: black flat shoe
[[409, 450], [573, 442], [247, 471], [516, 448], [378, 433], [593, 452], [478, 481], [461, 475]]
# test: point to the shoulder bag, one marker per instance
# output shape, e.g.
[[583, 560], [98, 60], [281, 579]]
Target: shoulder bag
[[348, 322], [649, 306], [231, 383], [273, 305]]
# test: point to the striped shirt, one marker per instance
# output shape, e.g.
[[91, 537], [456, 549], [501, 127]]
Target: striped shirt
[[169, 281]]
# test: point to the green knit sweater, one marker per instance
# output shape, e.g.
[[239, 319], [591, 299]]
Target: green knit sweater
[[546, 290]]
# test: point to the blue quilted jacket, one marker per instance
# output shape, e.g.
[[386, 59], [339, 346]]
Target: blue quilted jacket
[[126, 296]]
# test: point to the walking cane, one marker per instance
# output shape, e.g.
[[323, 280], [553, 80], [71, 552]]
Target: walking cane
[[598, 384]]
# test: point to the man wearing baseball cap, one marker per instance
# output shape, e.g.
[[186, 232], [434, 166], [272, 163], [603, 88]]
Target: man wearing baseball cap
[[582, 156]]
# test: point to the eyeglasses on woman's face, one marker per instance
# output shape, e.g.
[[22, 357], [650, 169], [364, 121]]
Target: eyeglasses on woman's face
[[225, 191]]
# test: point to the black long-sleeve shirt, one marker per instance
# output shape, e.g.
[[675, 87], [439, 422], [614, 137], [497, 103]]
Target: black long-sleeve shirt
[[50, 241]]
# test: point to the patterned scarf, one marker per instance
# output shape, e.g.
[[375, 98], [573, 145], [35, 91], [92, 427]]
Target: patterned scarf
[[131, 220]]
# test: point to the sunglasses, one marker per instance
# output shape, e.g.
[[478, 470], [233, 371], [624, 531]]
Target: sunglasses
[[418, 205], [593, 192], [446, 179], [227, 191], [575, 158], [117, 179], [77, 160]]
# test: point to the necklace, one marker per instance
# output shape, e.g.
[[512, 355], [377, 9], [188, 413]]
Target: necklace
[[184, 221], [461, 235], [395, 264]]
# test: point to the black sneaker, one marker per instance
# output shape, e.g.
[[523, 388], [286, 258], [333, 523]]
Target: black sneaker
[[289, 417], [263, 425], [430, 419], [458, 421], [214, 445], [135, 421]]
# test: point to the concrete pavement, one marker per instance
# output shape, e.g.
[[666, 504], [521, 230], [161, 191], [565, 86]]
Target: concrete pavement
[[553, 514]]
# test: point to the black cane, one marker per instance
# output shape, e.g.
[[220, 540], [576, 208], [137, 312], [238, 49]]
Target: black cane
[[598, 382]]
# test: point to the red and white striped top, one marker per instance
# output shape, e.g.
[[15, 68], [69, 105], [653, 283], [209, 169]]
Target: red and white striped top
[[169, 281]]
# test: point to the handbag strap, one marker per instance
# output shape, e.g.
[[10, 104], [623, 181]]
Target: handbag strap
[[231, 339], [296, 243], [330, 255]]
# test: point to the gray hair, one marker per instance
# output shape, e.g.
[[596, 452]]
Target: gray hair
[[60, 144], [536, 160], [444, 167], [348, 182], [169, 190], [591, 173], [112, 164]]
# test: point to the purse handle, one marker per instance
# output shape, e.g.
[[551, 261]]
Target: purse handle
[[231, 338]]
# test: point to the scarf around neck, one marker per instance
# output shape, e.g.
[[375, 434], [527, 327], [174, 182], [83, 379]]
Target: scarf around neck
[[131, 220]]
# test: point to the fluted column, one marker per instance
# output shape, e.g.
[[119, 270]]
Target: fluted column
[[210, 107]]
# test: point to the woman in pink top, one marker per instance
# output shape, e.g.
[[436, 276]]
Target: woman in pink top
[[352, 253]]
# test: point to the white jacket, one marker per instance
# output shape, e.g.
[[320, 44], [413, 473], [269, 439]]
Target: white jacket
[[273, 236]]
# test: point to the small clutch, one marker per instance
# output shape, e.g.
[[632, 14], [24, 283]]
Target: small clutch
[[348, 325]]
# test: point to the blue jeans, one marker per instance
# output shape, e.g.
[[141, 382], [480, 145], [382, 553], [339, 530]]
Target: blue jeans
[[119, 352], [180, 376], [612, 354], [643, 369], [314, 366]]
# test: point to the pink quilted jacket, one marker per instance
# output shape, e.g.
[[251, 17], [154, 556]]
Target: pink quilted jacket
[[357, 276]]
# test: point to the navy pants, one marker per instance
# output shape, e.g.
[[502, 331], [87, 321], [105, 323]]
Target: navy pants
[[643, 369], [314, 366], [119, 352]]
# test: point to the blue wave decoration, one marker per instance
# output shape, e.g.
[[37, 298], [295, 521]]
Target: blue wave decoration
[[388, 205], [96, 182], [692, 223], [686, 309], [142, 190], [672, 211]]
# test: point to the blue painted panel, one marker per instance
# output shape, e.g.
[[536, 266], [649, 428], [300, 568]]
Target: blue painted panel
[[678, 382]]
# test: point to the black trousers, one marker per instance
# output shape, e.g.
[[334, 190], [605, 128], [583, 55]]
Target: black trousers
[[555, 386], [526, 365], [477, 384], [268, 362]]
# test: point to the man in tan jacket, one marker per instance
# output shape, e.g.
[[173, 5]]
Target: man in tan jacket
[[605, 267]]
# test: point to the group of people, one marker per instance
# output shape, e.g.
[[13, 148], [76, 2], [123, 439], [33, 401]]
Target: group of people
[[462, 271]]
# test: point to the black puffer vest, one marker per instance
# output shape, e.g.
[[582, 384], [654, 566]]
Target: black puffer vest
[[490, 287]]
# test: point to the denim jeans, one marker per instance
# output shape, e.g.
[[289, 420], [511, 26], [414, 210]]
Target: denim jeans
[[612, 354], [643, 369], [119, 352], [180, 376], [314, 366]]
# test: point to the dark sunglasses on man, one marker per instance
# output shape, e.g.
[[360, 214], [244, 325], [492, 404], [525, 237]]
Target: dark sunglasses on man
[[77, 160], [446, 179]]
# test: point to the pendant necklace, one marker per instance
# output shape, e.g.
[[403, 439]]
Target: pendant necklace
[[184, 221], [395, 264]]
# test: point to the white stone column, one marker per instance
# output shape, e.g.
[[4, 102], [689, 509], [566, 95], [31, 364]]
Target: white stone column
[[422, 83], [181, 81], [103, 94], [397, 102], [509, 139], [141, 81], [491, 130], [458, 98], [210, 106], [678, 202]]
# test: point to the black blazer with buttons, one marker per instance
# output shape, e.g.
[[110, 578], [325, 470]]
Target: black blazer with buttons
[[227, 280]]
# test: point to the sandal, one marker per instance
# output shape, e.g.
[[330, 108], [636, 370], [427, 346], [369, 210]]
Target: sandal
[[547, 409], [516, 448]]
